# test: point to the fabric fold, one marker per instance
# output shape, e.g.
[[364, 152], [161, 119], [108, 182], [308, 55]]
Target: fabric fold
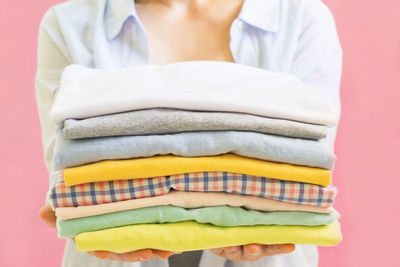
[[113, 191], [218, 215], [172, 165], [188, 200], [188, 236], [196, 85], [72, 153], [170, 121]]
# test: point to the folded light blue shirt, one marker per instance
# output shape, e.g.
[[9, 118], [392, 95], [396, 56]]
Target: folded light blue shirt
[[70, 153]]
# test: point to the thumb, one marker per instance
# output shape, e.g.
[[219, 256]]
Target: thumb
[[47, 214]]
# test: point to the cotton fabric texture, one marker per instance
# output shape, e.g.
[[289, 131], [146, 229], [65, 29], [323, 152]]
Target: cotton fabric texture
[[188, 236], [171, 165], [218, 215], [70, 153], [193, 85], [169, 121], [113, 191], [188, 200]]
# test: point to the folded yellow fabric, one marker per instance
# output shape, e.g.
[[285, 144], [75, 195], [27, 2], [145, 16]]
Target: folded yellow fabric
[[187, 236], [169, 165]]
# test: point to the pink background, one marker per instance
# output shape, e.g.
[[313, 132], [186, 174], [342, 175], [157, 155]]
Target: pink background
[[367, 146]]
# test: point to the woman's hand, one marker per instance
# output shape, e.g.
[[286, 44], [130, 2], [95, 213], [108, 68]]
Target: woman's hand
[[252, 252], [48, 216]]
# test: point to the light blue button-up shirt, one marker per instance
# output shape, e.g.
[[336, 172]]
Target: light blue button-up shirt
[[291, 36]]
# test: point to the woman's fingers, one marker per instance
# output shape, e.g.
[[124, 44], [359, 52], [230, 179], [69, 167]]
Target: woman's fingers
[[47, 214], [100, 254], [233, 253], [138, 255], [217, 251], [252, 252], [270, 250], [288, 248], [253, 249], [234, 250], [162, 254], [133, 256]]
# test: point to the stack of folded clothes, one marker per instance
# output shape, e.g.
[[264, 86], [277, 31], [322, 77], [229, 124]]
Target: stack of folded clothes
[[191, 156]]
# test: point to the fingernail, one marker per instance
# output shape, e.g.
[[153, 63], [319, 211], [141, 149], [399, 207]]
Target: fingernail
[[286, 249], [141, 259], [102, 254], [254, 252]]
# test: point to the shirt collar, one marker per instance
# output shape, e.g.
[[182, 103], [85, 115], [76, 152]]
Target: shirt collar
[[262, 14], [117, 12]]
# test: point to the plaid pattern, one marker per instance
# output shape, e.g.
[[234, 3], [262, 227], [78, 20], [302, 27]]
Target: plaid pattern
[[112, 191]]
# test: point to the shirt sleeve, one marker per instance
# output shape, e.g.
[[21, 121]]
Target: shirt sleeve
[[318, 58], [53, 57]]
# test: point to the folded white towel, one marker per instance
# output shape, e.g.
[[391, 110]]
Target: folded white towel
[[193, 85]]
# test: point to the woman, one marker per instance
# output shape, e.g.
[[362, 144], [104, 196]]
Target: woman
[[297, 37]]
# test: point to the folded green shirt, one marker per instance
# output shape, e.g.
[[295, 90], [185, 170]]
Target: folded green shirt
[[219, 215]]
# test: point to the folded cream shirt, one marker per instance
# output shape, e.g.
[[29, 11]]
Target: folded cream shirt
[[188, 200], [196, 85]]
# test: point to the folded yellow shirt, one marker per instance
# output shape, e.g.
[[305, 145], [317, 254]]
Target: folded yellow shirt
[[188, 236], [169, 165]]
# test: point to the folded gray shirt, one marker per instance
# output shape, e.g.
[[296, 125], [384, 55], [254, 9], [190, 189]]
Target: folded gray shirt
[[167, 121], [70, 153]]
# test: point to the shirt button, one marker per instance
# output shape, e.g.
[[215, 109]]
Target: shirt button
[[240, 24]]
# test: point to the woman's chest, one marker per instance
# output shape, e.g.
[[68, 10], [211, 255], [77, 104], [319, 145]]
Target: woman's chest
[[185, 42], [176, 35]]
